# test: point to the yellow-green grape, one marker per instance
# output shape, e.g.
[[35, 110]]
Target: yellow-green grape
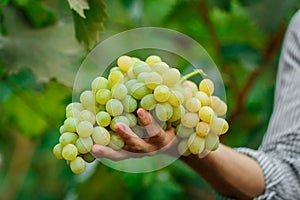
[[99, 83], [171, 77], [142, 76], [115, 77], [73, 113], [218, 105], [212, 142], [207, 86], [191, 85], [62, 129], [129, 85], [101, 136], [78, 165], [88, 157], [70, 124], [124, 63], [85, 129], [206, 114], [119, 91], [114, 107], [148, 102], [130, 73], [161, 93], [57, 151], [68, 138], [187, 93], [129, 104], [84, 145], [202, 129], [183, 131], [74, 106], [69, 152], [118, 119], [190, 120], [153, 79], [176, 98], [135, 59], [183, 148], [103, 118], [87, 99], [103, 95], [178, 112], [203, 98], [219, 125], [115, 68], [87, 115], [139, 90], [160, 67], [163, 111], [131, 118], [153, 59], [116, 142], [139, 67], [196, 144], [193, 104]]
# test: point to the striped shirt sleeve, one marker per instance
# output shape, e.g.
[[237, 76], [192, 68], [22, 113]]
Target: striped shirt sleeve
[[279, 153]]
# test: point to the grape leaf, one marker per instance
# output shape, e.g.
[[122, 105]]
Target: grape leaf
[[222, 4], [79, 6]]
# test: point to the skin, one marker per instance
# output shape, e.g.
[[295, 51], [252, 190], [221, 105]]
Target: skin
[[230, 173]]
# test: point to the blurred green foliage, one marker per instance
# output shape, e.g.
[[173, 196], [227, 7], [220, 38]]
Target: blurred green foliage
[[39, 57]]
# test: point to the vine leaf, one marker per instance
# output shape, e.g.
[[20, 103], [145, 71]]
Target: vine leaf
[[79, 6]]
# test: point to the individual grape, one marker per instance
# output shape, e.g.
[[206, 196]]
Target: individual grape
[[124, 63], [114, 107], [115, 77], [74, 106], [87, 99], [196, 144], [212, 142], [190, 84], [139, 67], [148, 102], [129, 84], [142, 76], [206, 114], [103, 118], [218, 105], [187, 93], [131, 118], [115, 68], [101, 136], [73, 113], [193, 104], [219, 125], [70, 124], [130, 73], [175, 98], [183, 148], [161, 93], [57, 151], [62, 129], [116, 142], [139, 90], [135, 59], [86, 115], [153, 79], [118, 119], [119, 91], [153, 59], [88, 157], [190, 120], [178, 112], [68, 138], [183, 131], [207, 86], [85, 129], [69, 152], [202, 129], [103, 95], [129, 104], [78, 165], [84, 145], [160, 67], [171, 77], [163, 111], [99, 83], [203, 98]]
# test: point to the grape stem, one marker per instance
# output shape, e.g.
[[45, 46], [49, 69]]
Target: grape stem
[[190, 75]]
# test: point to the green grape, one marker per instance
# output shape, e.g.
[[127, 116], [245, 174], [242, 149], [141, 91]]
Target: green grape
[[116, 141], [114, 107], [129, 104], [130, 73], [115, 68], [153, 59], [77, 165], [148, 102], [139, 90], [62, 129], [119, 91], [86, 115], [124, 63], [74, 106], [70, 124], [193, 104], [57, 151], [178, 112], [162, 93], [218, 105], [102, 108], [153, 79], [219, 125], [187, 93], [118, 119], [196, 144], [68, 138], [190, 119], [101, 136], [160, 67], [99, 83], [176, 98], [183, 148], [163, 111], [142, 76], [115, 77], [203, 98], [103, 95], [139, 67], [190, 84], [140, 131], [206, 114], [87, 99], [84, 145], [212, 142], [103, 118], [129, 84], [88, 157], [85, 129], [207, 86], [202, 129], [131, 118], [171, 77], [73, 113], [69, 152], [183, 131]]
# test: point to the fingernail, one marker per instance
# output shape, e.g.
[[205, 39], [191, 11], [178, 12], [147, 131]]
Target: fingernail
[[142, 113], [120, 127]]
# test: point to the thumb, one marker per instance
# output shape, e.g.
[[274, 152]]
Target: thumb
[[152, 127]]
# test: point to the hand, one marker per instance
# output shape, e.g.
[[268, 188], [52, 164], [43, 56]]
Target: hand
[[158, 140]]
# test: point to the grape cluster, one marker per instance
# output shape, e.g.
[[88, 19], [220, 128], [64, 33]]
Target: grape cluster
[[172, 99]]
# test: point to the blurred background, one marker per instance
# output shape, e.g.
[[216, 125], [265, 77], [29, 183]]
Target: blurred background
[[42, 44]]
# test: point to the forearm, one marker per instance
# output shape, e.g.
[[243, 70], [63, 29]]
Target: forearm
[[230, 173]]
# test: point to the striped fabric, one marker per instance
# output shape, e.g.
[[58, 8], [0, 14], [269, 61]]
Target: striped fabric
[[279, 153]]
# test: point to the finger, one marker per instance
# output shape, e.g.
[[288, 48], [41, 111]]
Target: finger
[[106, 152], [124, 131], [152, 127]]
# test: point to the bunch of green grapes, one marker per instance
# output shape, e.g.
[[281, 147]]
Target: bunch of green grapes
[[154, 86]]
